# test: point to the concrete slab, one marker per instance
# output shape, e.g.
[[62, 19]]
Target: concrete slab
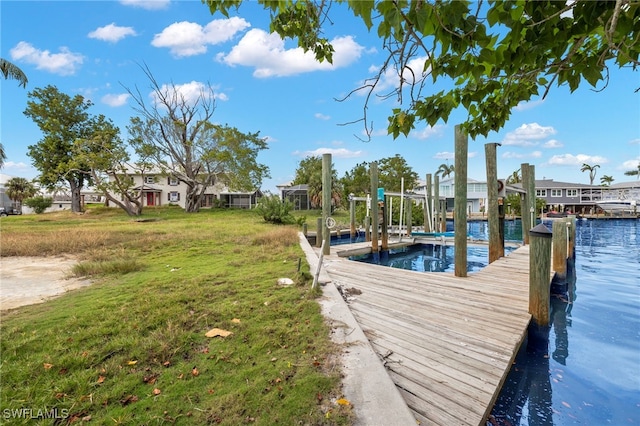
[[366, 383]]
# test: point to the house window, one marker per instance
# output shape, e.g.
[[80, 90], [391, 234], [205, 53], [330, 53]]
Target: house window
[[556, 192], [174, 196], [172, 181], [541, 192], [149, 179], [572, 192]]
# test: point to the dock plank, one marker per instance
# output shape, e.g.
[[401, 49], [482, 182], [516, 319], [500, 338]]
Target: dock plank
[[447, 342]]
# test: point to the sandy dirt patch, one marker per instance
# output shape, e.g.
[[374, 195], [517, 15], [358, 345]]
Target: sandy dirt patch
[[29, 280]]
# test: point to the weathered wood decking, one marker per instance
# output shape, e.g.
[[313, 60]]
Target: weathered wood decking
[[448, 342]]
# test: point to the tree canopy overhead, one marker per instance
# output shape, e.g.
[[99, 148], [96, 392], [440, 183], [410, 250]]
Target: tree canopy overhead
[[495, 53]]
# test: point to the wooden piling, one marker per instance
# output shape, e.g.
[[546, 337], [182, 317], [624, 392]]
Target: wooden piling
[[560, 242], [540, 274], [524, 203], [460, 202], [352, 217], [428, 207], [373, 171], [436, 203], [326, 201], [319, 232], [496, 248]]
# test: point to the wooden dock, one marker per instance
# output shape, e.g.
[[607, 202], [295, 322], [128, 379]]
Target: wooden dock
[[447, 342]]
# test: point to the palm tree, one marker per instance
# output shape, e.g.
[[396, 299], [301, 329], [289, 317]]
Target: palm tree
[[592, 171], [606, 180], [19, 189], [633, 172], [10, 71], [515, 177], [3, 156], [445, 170]]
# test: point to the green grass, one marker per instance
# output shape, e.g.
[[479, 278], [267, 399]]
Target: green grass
[[131, 348]]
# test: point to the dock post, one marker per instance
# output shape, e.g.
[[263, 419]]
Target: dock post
[[496, 246], [428, 205], [560, 244], [409, 215], [539, 289], [460, 202], [524, 204], [352, 217], [540, 274], [326, 202], [319, 232], [436, 203], [373, 170], [367, 228], [384, 244]]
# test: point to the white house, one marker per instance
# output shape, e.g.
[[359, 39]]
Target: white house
[[161, 189]]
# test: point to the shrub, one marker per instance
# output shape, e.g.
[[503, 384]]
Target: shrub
[[39, 204], [274, 210]]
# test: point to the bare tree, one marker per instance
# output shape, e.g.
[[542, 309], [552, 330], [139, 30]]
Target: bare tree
[[177, 132]]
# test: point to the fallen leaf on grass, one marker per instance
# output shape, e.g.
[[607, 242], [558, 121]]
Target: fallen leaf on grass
[[235, 321], [47, 366], [132, 362], [128, 399], [194, 372], [215, 332], [343, 401], [157, 391], [101, 379]]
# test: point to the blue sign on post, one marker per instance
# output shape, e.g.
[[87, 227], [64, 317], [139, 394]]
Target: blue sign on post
[[380, 194]]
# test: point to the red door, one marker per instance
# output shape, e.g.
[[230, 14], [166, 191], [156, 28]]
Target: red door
[[151, 200]]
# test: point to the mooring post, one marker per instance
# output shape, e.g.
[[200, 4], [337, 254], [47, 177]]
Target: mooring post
[[524, 203], [352, 217], [428, 205], [409, 215], [384, 246], [367, 228], [436, 203], [540, 273], [373, 170], [460, 202], [319, 226], [559, 248], [326, 202], [496, 246]]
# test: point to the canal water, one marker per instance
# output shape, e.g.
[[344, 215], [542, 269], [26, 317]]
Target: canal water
[[590, 372]]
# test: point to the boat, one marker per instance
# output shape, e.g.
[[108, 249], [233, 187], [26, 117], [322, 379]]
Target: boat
[[620, 205]]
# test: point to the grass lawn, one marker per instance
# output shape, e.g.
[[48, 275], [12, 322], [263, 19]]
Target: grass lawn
[[131, 348]]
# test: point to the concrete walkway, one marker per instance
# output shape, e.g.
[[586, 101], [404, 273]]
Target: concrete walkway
[[366, 384]]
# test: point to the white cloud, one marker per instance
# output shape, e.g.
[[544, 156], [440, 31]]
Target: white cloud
[[147, 4], [115, 100], [63, 63], [321, 116], [630, 164], [267, 54], [576, 160], [524, 106], [428, 131], [189, 92], [634, 141], [444, 155], [189, 38], [528, 135], [338, 153], [111, 33], [552, 143], [413, 73]]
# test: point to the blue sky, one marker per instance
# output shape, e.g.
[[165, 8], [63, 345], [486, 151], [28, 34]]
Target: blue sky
[[95, 48]]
